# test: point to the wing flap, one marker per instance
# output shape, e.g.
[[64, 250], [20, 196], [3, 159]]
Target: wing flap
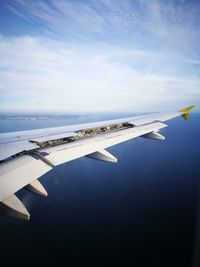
[[18, 172], [11, 149], [66, 152]]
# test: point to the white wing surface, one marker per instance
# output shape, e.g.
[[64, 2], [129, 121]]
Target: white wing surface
[[27, 155]]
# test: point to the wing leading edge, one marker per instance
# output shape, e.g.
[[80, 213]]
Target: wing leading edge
[[26, 156]]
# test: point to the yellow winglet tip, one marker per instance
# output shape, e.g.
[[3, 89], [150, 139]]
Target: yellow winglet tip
[[185, 112], [187, 109]]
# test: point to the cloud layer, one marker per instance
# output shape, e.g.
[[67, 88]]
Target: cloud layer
[[100, 56]]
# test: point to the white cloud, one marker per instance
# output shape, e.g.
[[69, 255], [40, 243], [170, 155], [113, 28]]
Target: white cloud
[[106, 55], [39, 73], [172, 25]]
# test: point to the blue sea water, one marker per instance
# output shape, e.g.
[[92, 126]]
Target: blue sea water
[[142, 211]]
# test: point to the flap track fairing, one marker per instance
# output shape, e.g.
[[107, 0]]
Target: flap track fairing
[[14, 207], [103, 155], [154, 135], [37, 188]]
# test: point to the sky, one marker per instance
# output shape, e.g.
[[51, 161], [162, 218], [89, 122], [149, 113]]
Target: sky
[[99, 55]]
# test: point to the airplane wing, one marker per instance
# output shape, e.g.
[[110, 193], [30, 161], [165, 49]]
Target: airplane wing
[[27, 155]]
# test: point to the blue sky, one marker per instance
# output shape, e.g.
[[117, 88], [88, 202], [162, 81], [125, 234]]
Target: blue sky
[[99, 56]]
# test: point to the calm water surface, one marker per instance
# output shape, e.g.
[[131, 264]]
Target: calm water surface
[[142, 211]]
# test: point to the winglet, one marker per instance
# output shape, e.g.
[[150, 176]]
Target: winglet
[[185, 112]]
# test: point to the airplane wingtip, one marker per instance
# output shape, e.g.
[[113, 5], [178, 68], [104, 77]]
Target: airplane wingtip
[[185, 111]]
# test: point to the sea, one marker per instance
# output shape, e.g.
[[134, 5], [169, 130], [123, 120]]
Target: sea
[[142, 211]]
